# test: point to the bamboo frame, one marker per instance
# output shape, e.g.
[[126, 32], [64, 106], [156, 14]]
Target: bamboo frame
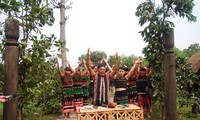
[[132, 112]]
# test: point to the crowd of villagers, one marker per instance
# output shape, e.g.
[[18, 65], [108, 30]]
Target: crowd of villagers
[[89, 84]]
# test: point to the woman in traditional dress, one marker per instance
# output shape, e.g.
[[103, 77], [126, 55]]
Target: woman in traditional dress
[[85, 80], [121, 93], [67, 90], [142, 80], [78, 87], [91, 86], [131, 88]]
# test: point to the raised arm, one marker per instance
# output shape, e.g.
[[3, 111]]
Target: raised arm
[[120, 63], [85, 67], [110, 69], [89, 63], [84, 64], [149, 74], [59, 71], [78, 68], [115, 67], [133, 70], [70, 66]]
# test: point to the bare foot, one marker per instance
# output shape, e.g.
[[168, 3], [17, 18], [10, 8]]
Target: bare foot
[[148, 115]]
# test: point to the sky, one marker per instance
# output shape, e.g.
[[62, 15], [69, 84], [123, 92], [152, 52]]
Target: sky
[[111, 26]]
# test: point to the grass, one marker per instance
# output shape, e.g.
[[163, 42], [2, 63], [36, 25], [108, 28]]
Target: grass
[[184, 113], [1, 111]]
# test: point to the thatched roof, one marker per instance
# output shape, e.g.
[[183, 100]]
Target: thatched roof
[[194, 60]]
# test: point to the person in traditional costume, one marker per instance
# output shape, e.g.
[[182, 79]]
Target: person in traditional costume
[[149, 72], [101, 81], [131, 87], [141, 86], [121, 93], [91, 86], [67, 90], [85, 80], [78, 87]]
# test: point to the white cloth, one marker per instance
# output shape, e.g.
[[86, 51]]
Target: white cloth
[[102, 90]]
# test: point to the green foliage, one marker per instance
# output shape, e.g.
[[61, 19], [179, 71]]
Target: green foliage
[[39, 85], [192, 49], [126, 60], [40, 71], [186, 77], [96, 57], [154, 19]]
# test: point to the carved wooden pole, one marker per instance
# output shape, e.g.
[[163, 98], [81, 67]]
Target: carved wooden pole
[[11, 68], [170, 77]]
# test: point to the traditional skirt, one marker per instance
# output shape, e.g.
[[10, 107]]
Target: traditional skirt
[[78, 93], [85, 90], [91, 91], [131, 88], [67, 99], [121, 97]]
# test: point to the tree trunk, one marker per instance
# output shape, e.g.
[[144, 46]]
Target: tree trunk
[[62, 33], [19, 113], [163, 112]]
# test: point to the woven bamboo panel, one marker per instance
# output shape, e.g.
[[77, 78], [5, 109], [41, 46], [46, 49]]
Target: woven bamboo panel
[[118, 113]]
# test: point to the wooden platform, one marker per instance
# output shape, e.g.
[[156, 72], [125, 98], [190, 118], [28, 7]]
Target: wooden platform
[[132, 112]]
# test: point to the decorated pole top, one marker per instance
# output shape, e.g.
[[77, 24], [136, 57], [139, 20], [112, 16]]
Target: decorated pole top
[[169, 40], [12, 30]]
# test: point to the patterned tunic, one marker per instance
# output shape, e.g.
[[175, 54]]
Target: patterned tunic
[[121, 97], [78, 91], [101, 87], [67, 94]]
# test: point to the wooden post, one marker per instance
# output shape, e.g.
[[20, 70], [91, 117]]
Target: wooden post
[[11, 68], [170, 77]]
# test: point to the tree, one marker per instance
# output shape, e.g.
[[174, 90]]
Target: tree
[[96, 57], [185, 79], [154, 19], [35, 66], [192, 49], [188, 81], [63, 18], [127, 61]]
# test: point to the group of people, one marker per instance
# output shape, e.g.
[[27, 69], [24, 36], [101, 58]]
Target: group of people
[[88, 84]]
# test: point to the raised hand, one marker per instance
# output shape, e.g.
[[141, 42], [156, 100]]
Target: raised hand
[[89, 63], [88, 53], [84, 61], [3, 98], [116, 66], [116, 57], [80, 62]]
